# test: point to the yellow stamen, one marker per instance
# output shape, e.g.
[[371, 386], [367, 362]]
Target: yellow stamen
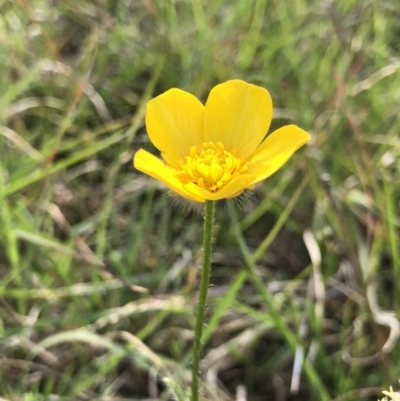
[[210, 168]]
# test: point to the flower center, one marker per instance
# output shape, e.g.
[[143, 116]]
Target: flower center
[[210, 168]]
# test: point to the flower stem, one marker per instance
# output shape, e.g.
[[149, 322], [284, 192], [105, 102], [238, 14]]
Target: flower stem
[[205, 279]]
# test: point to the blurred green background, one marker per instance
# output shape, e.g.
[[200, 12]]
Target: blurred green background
[[99, 266]]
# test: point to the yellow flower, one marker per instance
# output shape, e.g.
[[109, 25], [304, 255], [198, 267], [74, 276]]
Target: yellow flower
[[394, 396], [215, 151]]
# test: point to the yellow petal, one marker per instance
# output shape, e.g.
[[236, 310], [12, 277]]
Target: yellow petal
[[232, 189], [275, 151], [238, 114], [153, 166], [174, 122]]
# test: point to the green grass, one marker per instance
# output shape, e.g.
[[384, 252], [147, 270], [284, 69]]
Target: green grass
[[99, 267]]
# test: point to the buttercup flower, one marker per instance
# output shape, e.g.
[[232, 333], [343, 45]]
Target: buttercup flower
[[215, 151]]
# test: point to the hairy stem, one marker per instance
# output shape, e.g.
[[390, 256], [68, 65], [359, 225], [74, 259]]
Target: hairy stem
[[209, 208]]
